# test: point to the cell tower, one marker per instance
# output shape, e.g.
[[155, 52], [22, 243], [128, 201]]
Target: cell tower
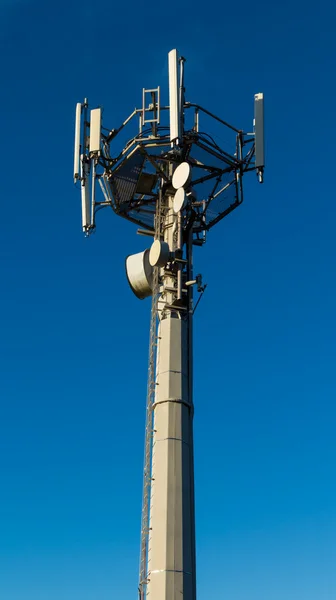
[[175, 181]]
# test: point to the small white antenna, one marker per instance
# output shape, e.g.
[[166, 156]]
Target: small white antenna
[[93, 192], [174, 107], [85, 191], [95, 130], [77, 140]]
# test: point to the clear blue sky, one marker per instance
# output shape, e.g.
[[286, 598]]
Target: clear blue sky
[[73, 346]]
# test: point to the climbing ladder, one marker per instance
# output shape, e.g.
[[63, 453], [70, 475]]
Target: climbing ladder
[[151, 384]]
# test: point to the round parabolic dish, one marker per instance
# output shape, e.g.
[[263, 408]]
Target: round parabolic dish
[[159, 254], [181, 176], [139, 274], [179, 200]]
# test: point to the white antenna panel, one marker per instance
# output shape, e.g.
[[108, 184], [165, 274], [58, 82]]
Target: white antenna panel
[[95, 130], [259, 130], [77, 140], [86, 205], [174, 109]]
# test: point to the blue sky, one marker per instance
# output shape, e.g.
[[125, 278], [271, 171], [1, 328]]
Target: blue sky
[[73, 345]]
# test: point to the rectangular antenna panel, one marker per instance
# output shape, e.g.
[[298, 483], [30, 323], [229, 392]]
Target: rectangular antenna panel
[[77, 140], [259, 130], [86, 205], [95, 130], [174, 108]]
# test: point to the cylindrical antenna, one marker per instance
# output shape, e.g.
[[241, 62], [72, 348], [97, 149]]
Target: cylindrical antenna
[[77, 141], [86, 217], [85, 137], [196, 120], [181, 95], [93, 192]]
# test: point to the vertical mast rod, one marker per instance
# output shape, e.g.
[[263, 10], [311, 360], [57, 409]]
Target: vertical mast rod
[[171, 550]]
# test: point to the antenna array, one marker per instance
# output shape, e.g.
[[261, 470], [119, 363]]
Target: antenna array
[[175, 181], [130, 178]]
